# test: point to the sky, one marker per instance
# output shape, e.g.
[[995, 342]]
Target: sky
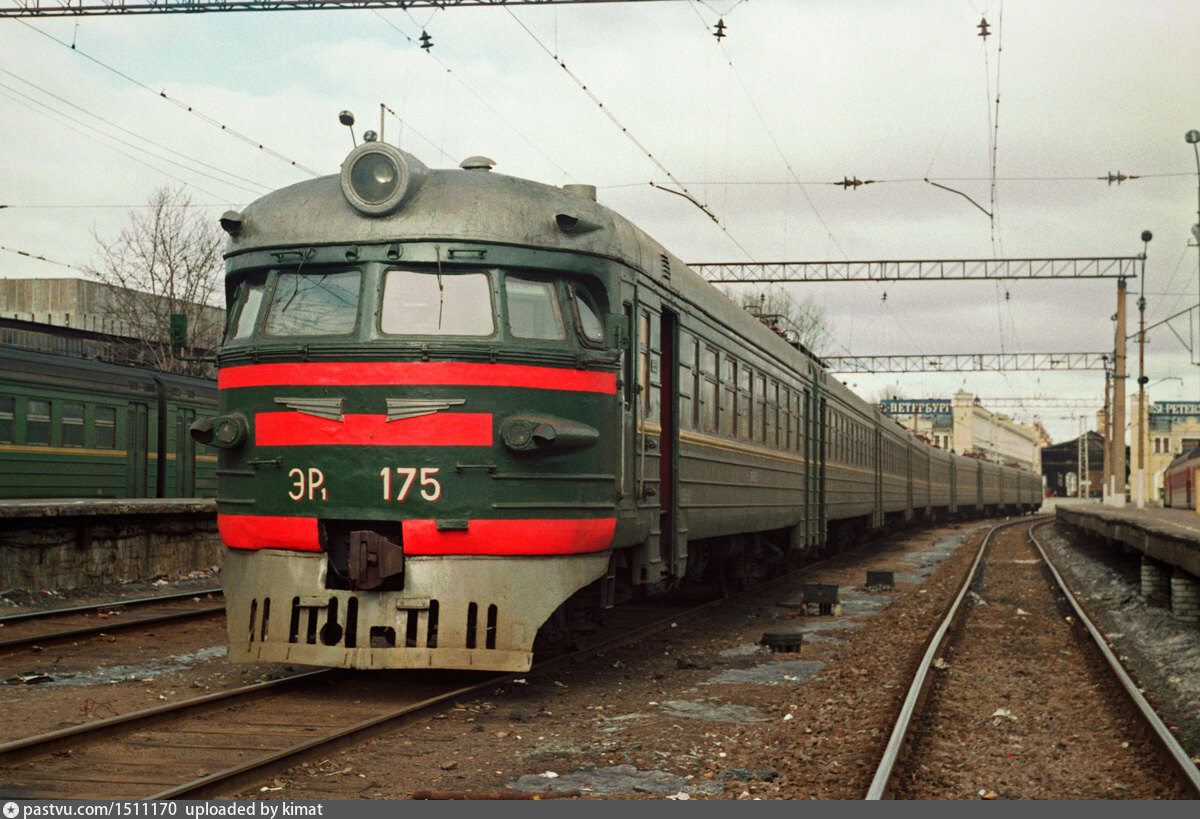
[[756, 126]]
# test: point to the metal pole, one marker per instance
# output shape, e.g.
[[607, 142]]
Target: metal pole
[[1119, 400], [1106, 473], [1079, 455], [1141, 419], [1193, 138]]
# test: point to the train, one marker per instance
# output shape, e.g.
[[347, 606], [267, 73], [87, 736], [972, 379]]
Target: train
[[78, 428], [1179, 480], [458, 411]]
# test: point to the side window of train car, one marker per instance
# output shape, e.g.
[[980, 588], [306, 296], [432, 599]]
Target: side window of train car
[[313, 304], [743, 402], [72, 425], [587, 317], [37, 422], [7, 418], [687, 380], [8, 406], [106, 428], [772, 419], [760, 407], [533, 310], [434, 304], [243, 325], [786, 410], [708, 389], [727, 390]]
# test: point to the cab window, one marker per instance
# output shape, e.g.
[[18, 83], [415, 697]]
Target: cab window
[[313, 304], [590, 326], [243, 325], [437, 304], [533, 310]]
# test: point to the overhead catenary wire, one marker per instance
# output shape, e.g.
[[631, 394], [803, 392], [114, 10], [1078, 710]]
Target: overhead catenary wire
[[64, 121], [454, 75], [162, 94], [28, 255], [683, 190], [234, 179]]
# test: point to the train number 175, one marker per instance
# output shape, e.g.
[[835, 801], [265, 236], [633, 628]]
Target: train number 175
[[431, 490]]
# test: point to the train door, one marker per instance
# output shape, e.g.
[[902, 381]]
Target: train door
[[137, 457], [674, 534], [656, 374], [628, 436], [908, 469], [814, 456], [881, 452], [185, 454]]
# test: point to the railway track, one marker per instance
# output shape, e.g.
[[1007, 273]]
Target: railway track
[[58, 625], [222, 743], [954, 740]]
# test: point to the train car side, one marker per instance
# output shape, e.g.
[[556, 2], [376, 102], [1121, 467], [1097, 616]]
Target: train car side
[[76, 428]]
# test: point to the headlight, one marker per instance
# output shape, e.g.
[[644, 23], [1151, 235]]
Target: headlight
[[378, 178], [525, 433], [225, 431]]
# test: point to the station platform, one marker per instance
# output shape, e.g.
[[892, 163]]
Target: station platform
[[105, 507], [1169, 543], [72, 544]]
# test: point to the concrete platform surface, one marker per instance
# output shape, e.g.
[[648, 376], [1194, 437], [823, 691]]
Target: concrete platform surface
[[105, 507], [1169, 535]]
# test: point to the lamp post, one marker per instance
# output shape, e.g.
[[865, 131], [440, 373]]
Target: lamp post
[[1192, 137], [1140, 495]]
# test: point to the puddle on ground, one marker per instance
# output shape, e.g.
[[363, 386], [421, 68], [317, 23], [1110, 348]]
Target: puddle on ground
[[927, 561], [744, 650], [780, 672], [714, 712], [127, 673], [617, 779]]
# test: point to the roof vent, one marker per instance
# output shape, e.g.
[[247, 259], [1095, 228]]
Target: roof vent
[[477, 163], [582, 190]]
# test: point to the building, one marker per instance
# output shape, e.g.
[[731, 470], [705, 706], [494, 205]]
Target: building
[[931, 419], [962, 425], [1167, 428], [1063, 464], [86, 318]]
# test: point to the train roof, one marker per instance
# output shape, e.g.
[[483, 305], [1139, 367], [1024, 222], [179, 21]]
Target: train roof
[[34, 366], [480, 206], [450, 205]]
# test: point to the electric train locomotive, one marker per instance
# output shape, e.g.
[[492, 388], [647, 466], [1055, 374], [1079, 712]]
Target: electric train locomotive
[[458, 409]]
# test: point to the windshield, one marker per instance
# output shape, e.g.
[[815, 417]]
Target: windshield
[[313, 304], [533, 309], [458, 304]]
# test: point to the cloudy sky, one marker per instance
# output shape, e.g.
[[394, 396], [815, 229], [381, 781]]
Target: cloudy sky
[[798, 95]]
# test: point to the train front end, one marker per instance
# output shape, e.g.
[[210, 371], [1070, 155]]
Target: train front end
[[417, 401]]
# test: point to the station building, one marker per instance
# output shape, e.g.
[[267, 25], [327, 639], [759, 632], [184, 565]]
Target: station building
[[1166, 429], [1075, 469], [963, 426]]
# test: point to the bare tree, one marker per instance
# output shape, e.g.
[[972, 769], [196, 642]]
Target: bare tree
[[167, 261], [799, 322]]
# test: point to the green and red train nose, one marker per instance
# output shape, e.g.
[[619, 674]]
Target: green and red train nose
[[435, 458]]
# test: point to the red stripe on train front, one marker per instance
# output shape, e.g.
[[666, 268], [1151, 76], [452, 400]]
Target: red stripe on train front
[[442, 429], [510, 537], [422, 537], [269, 531], [417, 373]]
